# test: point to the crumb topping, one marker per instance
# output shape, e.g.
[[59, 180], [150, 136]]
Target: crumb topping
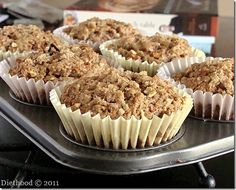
[[99, 30], [26, 38], [209, 76], [57, 65], [116, 93], [157, 48]]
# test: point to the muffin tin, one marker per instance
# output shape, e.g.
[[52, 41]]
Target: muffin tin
[[198, 140]]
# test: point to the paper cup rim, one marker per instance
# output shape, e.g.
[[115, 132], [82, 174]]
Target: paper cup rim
[[3, 74], [60, 33], [53, 95], [12, 52], [7, 54], [103, 48]]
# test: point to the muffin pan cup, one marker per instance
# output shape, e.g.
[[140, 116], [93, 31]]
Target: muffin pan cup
[[117, 60], [36, 92], [67, 39], [119, 133], [206, 104]]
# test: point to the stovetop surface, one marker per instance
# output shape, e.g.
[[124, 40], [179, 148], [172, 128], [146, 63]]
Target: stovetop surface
[[21, 161]]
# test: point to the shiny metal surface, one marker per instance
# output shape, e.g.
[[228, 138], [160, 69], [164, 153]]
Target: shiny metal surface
[[200, 141], [211, 120], [13, 96]]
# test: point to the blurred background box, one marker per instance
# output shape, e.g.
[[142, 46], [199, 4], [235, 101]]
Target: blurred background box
[[195, 20], [195, 17], [225, 7]]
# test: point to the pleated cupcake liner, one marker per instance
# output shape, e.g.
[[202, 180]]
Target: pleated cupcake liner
[[119, 133], [68, 39], [7, 54], [31, 91], [206, 104], [117, 60]]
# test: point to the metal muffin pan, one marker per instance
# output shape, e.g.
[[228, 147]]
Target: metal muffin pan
[[198, 140]]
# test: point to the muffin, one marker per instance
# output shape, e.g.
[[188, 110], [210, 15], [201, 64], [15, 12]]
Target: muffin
[[147, 53], [116, 109], [32, 77], [95, 31], [211, 83], [18, 39]]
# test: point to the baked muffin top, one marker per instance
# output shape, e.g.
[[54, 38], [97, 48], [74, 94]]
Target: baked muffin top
[[214, 76], [26, 38], [157, 48], [100, 30], [115, 93], [57, 65]]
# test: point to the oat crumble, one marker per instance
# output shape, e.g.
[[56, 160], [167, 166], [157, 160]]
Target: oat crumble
[[58, 65], [115, 93], [157, 48], [23, 38], [99, 30]]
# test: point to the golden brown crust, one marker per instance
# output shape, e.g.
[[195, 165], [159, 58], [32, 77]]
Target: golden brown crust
[[57, 65], [158, 48], [209, 76], [21, 38], [98, 30], [115, 93]]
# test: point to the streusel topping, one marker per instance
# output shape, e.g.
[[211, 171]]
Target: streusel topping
[[57, 65], [99, 30], [157, 48], [115, 93], [209, 76], [26, 38]]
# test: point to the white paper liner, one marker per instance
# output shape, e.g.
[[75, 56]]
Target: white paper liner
[[66, 38], [36, 92], [119, 133], [117, 60], [206, 104], [6, 54]]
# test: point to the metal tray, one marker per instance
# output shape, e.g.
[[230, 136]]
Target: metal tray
[[198, 140]]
